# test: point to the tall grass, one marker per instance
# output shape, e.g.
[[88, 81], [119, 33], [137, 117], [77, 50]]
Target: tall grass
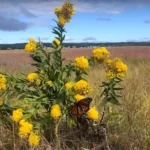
[[128, 126]]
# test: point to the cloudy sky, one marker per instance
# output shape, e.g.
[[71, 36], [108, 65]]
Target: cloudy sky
[[94, 20]]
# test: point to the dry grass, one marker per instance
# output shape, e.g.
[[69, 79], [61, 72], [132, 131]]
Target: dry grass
[[128, 129]]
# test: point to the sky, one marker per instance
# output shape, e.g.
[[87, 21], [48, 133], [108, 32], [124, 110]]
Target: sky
[[94, 20]]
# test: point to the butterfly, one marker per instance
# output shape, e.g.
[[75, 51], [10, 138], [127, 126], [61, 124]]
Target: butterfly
[[81, 107]]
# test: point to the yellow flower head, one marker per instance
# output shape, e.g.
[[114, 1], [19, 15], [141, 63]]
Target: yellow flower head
[[101, 54], [57, 10], [69, 85], [119, 66], [81, 63], [67, 11], [17, 115], [93, 114], [79, 97], [33, 139], [32, 77], [31, 40], [30, 47], [55, 111], [25, 128], [82, 87], [64, 13], [2, 79], [61, 20], [1, 102], [115, 68], [2, 86], [56, 42], [50, 83]]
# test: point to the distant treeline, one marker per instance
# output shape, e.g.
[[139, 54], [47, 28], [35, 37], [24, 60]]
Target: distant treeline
[[71, 45]]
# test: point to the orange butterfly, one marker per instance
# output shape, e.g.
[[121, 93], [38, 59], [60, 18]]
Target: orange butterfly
[[81, 107]]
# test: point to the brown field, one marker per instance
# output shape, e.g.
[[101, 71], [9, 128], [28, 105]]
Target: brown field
[[19, 61]]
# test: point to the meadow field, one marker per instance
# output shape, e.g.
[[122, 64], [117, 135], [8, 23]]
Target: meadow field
[[128, 127], [20, 61]]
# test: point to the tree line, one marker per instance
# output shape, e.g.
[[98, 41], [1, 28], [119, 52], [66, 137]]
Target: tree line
[[71, 45]]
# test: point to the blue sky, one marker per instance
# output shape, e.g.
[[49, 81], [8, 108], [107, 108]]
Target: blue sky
[[94, 21]]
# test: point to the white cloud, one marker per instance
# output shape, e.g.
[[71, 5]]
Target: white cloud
[[67, 38], [37, 8], [89, 39]]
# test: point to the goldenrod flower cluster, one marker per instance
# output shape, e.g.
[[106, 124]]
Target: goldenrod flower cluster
[[31, 46], [55, 42], [2, 82], [82, 87], [33, 77], [17, 115], [79, 97], [50, 83], [81, 63], [100, 54], [93, 114], [64, 13], [115, 68], [1, 101], [33, 139], [69, 85], [55, 111], [25, 128]]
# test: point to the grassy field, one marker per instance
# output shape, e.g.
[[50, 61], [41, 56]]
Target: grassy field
[[128, 127]]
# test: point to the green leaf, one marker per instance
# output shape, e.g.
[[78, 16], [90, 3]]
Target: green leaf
[[118, 89], [62, 38], [56, 32]]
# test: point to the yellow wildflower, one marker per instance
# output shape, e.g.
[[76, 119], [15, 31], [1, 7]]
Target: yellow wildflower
[[93, 114], [33, 139], [31, 40], [2, 86], [115, 68], [25, 128], [1, 102], [2, 79], [55, 42], [32, 77], [50, 83], [79, 97], [30, 47], [81, 63], [55, 111], [57, 10], [101, 54], [69, 85], [64, 13], [61, 20], [119, 66], [67, 10], [17, 115], [82, 87]]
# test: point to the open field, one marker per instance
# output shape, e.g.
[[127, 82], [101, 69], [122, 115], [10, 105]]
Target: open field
[[129, 126], [20, 59]]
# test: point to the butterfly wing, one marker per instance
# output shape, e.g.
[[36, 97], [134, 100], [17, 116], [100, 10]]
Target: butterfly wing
[[81, 107], [84, 104], [76, 110]]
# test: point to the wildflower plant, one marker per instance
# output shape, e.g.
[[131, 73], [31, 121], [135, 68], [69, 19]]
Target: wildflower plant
[[46, 95]]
